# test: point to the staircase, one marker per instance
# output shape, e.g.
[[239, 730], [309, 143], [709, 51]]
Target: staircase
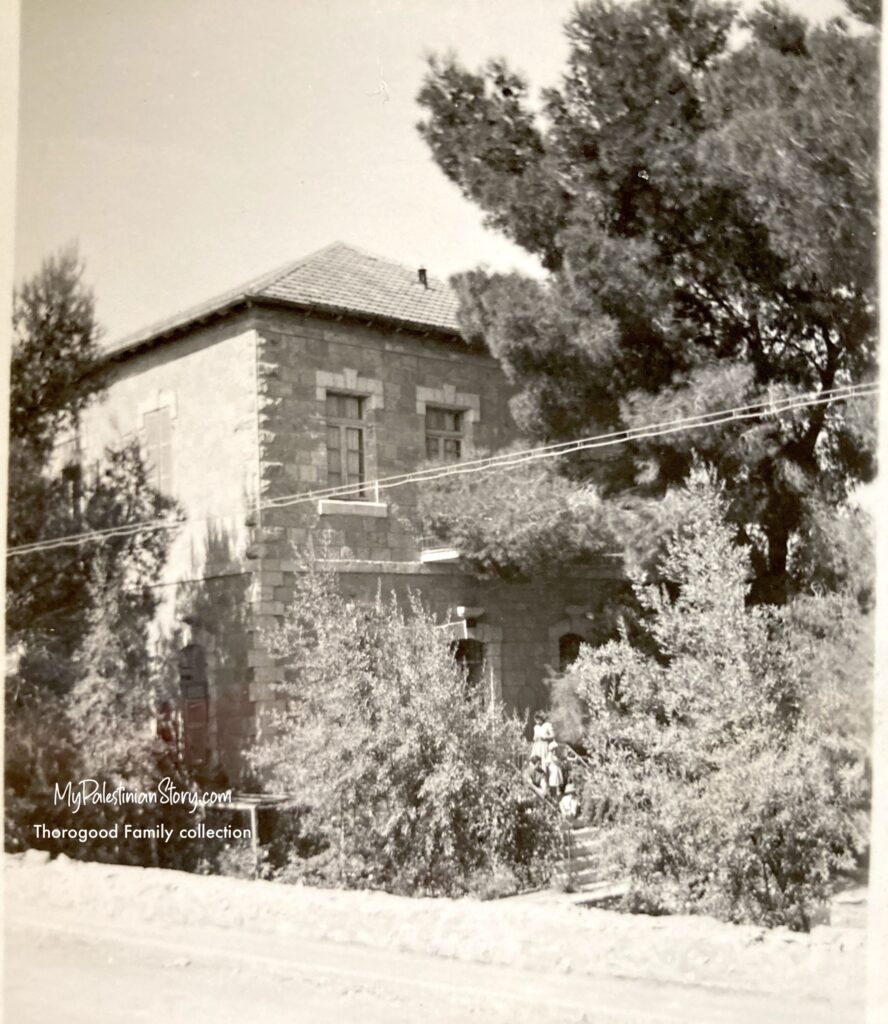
[[580, 867], [583, 866]]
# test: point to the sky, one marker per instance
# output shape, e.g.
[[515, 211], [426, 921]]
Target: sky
[[189, 145]]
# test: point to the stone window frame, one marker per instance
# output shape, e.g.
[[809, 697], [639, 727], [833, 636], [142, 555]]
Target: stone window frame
[[158, 401], [466, 403], [341, 424], [492, 638], [370, 389], [442, 435], [575, 621]]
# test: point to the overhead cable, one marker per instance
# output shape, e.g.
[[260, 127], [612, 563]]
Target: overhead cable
[[504, 460]]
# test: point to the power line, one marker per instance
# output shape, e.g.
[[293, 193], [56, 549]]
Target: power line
[[508, 459], [773, 407], [504, 460]]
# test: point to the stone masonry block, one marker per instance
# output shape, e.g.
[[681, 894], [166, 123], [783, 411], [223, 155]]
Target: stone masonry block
[[269, 608]]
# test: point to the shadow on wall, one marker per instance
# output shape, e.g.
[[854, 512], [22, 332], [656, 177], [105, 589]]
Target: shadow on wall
[[205, 710]]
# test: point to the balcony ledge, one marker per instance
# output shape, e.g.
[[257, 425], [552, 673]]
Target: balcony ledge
[[331, 507], [439, 555]]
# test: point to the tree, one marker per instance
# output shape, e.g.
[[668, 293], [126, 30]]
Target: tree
[[56, 372], [732, 746], [410, 780], [56, 355], [519, 523], [79, 680], [705, 211], [104, 729]]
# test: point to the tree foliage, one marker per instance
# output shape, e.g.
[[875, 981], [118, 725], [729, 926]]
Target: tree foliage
[[410, 780], [700, 188], [56, 356], [105, 730], [733, 748], [56, 372], [81, 684], [525, 522]]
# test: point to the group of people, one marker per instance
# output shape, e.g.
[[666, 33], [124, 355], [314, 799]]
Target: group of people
[[545, 772]]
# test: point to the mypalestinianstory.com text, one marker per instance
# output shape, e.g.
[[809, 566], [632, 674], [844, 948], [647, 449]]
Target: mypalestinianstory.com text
[[91, 791]]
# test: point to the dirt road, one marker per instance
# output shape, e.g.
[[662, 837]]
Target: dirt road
[[100, 944], [62, 967]]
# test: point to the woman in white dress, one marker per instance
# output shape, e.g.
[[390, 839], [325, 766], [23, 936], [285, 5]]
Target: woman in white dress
[[543, 735]]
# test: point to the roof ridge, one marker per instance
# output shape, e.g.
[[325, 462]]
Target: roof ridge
[[383, 259], [273, 285]]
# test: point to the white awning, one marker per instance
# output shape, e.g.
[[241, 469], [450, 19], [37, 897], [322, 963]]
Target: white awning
[[454, 630]]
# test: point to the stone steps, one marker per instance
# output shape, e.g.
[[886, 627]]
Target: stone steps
[[580, 867]]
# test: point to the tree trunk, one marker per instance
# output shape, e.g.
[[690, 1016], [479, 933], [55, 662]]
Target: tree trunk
[[772, 586]]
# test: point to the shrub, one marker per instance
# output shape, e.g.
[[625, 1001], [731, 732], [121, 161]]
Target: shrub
[[104, 730], [732, 743], [411, 779]]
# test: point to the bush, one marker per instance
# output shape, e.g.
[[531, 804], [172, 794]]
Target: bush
[[732, 743], [104, 729], [411, 779]]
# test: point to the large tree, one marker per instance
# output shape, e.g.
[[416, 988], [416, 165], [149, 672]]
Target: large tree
[[56, 372], [700, 190], [80, 683]]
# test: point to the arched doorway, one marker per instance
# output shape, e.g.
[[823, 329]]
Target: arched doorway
[[568, 649], [469, 654]]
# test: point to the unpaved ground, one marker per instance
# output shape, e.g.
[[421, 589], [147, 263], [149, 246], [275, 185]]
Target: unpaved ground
[[89, 942]]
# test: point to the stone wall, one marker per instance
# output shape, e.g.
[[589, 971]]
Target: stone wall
[[207, 380], [519, 623], [377, 543], [249, 402], [398, 374]]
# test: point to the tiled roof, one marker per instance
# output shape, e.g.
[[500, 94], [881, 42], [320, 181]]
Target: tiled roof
[[337, 279]]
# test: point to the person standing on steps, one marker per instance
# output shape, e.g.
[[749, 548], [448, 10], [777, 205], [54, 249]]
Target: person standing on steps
[[554, 773], [569, 805], [543, 736]]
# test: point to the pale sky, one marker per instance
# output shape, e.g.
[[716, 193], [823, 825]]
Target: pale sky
[[188, 145]]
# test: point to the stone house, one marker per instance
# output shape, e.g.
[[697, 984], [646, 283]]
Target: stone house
[[335, 370]]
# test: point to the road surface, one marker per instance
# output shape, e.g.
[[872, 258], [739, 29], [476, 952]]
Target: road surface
[[64, 968]]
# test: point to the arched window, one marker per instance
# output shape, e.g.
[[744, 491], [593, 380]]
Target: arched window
[[470, 654], [568, 649]]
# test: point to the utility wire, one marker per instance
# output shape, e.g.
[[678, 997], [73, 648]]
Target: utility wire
[[772, 407], [508, 459]]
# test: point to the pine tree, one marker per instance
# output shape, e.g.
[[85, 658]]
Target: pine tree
[[700, 189], [57, 371]]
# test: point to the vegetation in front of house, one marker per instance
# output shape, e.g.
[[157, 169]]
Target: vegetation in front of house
[[699, 188], [410, 781], [728, 741]]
